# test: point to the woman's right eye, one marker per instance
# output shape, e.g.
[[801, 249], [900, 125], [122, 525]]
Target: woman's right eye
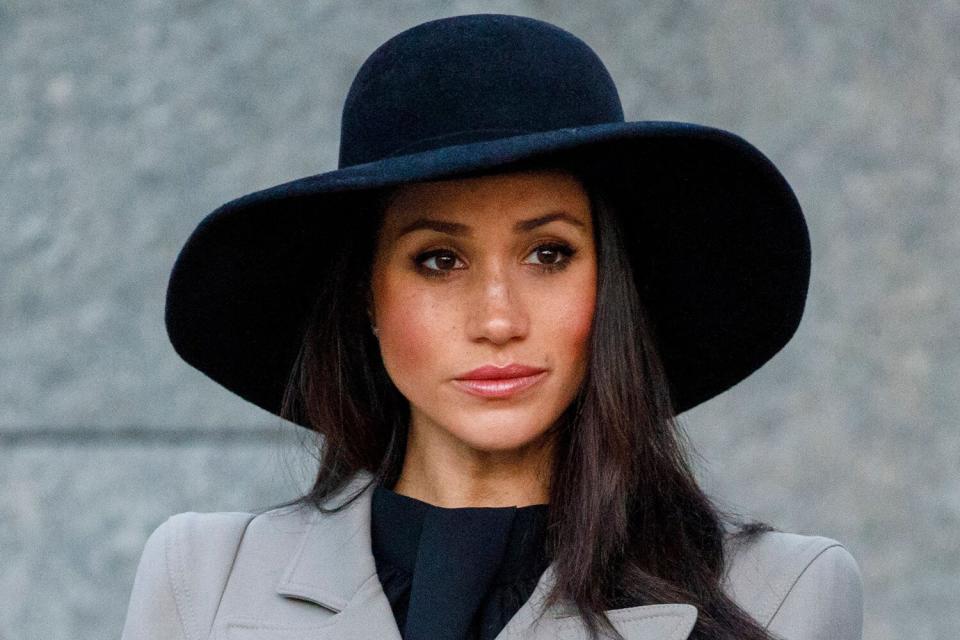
[[443, 262]]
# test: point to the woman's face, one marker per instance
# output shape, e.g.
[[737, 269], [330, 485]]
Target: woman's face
[[491, 270]]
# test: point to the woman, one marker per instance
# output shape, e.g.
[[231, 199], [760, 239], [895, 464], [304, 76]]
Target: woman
[[492, 312]]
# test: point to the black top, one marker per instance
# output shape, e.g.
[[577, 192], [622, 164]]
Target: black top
[[456, 573]]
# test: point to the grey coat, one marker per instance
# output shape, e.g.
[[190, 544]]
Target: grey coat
[[295, 574]]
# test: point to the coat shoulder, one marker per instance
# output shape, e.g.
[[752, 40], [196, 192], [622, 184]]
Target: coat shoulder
[[205, 547], [217, 535], [181, 572], [799, 585]]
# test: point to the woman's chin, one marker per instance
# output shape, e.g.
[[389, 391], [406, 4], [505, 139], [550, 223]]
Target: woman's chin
[[498, 436]]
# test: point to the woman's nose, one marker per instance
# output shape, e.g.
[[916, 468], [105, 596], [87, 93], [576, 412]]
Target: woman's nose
[[496, 311]]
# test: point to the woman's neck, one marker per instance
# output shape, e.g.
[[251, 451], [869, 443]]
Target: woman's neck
[[454, 478]]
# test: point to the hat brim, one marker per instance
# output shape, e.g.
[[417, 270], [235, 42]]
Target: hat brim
[[718, 243]]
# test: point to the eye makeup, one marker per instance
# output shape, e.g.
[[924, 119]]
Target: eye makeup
[[561, 249]]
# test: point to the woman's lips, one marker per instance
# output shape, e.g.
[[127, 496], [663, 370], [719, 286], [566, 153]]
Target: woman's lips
[[499, 388]]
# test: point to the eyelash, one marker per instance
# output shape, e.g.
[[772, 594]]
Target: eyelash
[[562, 248]]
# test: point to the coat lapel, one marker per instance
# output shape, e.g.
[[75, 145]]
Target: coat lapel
[[644, 622], [333, 567]]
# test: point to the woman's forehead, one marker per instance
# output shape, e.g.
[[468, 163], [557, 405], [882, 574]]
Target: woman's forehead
[[496, 194]]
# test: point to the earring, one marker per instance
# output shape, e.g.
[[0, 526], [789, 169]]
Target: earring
[[373, 327]]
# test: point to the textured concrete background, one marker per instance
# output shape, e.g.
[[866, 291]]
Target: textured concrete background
[[123, 123]]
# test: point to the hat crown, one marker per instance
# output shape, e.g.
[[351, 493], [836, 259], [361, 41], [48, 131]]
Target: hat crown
[[471, 78]]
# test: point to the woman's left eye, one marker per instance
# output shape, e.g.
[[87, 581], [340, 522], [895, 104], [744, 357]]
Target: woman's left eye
[[557, 255]]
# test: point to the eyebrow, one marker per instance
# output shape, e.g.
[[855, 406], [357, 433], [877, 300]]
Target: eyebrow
[[459, 229]]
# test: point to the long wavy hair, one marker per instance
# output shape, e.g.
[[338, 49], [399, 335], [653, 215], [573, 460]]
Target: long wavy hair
[[643, 533]]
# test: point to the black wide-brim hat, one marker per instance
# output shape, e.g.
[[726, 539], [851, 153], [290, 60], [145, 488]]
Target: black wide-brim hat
[[716, 237]]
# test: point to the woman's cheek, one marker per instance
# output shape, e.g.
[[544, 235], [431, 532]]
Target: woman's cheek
[[581, 317], [574, 318], [412, 341], [574, 334]]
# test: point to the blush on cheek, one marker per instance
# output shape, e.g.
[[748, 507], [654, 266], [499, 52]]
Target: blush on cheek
[[408, 343], [411, 340], [575, 332], [581, 321], [578, 315]]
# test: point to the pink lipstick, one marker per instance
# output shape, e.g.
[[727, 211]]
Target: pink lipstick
[[490, 381]]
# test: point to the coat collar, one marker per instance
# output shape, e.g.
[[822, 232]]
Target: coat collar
[[333, 566], [335, 555]]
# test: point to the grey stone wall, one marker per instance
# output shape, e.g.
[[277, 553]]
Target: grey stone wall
[[123, 123]]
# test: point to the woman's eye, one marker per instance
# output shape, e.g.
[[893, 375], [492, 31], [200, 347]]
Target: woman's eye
[[553, 256], [440, 262]]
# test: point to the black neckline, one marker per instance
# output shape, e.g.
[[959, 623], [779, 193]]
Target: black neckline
[[399, 520]]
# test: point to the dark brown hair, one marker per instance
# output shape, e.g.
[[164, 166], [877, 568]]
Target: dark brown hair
[[644, 532]]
